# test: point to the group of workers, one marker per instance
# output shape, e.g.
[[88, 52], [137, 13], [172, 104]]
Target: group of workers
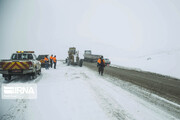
[[52, 61], [100, 63]]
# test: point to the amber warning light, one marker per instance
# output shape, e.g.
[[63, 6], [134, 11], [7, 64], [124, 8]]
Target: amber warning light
[[24, 51]]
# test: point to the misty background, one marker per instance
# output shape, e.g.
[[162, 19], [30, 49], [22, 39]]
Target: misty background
[[113, 28]]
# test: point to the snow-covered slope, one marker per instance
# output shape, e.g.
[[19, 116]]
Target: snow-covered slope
[[165, 63]]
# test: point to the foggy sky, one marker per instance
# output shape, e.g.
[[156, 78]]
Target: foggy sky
[[114, 28]]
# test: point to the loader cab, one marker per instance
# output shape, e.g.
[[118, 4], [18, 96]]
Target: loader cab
[[72, 50]]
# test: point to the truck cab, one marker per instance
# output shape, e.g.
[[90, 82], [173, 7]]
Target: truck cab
[[89, 57], [87, 52]]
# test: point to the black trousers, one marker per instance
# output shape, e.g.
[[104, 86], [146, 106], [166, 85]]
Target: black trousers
[[54, 65], [51, 63], [101, 70]]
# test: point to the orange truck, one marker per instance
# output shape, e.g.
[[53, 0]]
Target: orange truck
[[21, 63]]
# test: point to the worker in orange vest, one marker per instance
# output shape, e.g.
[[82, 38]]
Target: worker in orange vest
[[46, 62], [51, 60], [54, 61], [101, 65]]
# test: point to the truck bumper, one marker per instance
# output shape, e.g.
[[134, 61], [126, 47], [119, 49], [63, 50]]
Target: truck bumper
[[27, 71], [7, 72], [3, 72]]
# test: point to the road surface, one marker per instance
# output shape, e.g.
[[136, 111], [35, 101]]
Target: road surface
[[164, 86], [79, 93]]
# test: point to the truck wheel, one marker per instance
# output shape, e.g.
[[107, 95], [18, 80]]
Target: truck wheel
[[30, 77], [68, 63], [8, 78], [33, 76], [39, 72], [80, 62]]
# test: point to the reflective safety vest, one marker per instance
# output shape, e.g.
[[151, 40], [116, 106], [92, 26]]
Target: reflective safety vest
[[99, 61], [45, 59], [51, 57], [54, 59]]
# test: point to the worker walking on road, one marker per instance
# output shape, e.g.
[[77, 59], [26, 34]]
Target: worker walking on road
[[101, 65], [54, 61], [46, 62], [51, 60]]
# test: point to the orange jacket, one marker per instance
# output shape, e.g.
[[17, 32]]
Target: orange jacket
[[99, 61], [45, 59], [51, 57], [54, 59]]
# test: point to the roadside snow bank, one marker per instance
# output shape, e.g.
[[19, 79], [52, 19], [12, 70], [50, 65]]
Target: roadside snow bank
[[165, 63]]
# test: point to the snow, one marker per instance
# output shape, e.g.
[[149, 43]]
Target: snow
[[141, 35], [165, 63], [78, 93]]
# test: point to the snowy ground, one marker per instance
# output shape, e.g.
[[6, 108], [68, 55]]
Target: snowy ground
[[74, 93], [165, 63]]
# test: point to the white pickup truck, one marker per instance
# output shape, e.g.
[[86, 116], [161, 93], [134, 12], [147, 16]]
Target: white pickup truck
[[21, 63]]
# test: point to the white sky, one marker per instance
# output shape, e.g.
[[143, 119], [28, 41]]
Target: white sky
[[114, 28]]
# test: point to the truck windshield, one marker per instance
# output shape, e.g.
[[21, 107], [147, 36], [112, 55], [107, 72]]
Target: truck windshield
[[21, 56], [87, 52]]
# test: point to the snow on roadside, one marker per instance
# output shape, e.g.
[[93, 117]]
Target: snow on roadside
[[78, 93], [124, 103], [165, 63]]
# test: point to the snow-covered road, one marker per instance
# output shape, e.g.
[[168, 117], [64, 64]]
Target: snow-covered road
[[78, 93]]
